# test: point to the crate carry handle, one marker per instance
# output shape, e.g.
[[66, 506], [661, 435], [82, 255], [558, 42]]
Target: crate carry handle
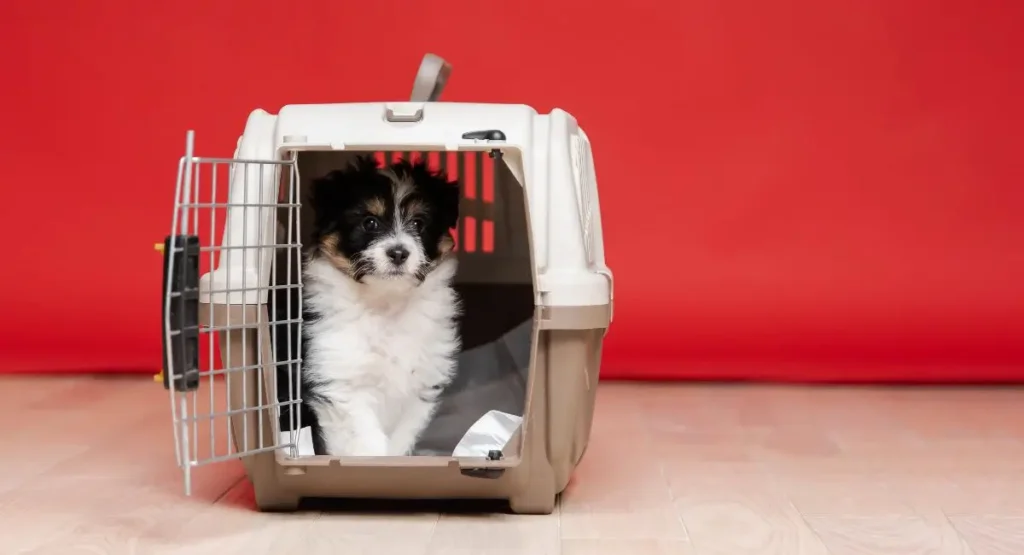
[[430, 79]]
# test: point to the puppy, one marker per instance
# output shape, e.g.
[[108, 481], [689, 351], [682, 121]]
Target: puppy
[[380, 330]]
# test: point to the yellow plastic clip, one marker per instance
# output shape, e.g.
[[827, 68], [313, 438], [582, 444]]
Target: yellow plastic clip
[[159, 247]]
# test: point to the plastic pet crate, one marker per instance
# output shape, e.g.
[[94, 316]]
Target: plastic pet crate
[[536, 293]]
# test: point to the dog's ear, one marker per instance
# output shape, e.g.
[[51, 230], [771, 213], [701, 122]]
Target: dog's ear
[[451, 196], [448, 192], [420, 172], [364, 164], [330, 193], [323, 195]]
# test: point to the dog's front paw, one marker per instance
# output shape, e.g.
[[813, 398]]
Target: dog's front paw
[[369, 445], [346, 442]]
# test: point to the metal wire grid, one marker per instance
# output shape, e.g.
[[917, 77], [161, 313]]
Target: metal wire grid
[[202, 211]]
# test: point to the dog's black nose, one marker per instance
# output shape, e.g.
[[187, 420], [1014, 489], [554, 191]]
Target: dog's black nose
[[398, 254]]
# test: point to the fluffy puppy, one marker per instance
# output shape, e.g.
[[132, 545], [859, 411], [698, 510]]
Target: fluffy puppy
[[380, 330]]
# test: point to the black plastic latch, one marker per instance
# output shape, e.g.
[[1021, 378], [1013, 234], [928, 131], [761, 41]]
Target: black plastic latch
[[487, 135], [488, 473], [485, 473], [181, 314]]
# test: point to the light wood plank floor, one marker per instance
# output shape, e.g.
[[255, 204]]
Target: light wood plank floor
[[87, 466]]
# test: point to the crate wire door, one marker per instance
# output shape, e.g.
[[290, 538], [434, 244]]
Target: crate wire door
[[214, 425]]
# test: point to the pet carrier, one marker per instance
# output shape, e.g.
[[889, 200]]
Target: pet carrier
[[536, 294]]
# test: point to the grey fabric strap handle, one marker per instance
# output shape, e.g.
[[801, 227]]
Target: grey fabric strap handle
[[430, 79]]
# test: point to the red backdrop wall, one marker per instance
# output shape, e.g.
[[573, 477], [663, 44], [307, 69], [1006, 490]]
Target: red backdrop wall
[[792, 189]]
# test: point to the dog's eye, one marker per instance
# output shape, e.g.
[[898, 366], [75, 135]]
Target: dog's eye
[[417, 224], [371, 223]]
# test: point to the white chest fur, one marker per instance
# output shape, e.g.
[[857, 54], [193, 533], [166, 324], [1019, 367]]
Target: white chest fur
[[377, 356]]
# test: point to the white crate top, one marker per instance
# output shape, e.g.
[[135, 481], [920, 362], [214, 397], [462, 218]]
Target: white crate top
[[364, 126], [549, 154]]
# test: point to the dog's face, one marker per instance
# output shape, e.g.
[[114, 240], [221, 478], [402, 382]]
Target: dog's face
[[390, 222]]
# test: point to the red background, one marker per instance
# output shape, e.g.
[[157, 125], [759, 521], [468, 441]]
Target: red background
[[792, 189]]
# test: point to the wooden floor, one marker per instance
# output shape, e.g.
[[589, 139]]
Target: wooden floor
[[87, 466]]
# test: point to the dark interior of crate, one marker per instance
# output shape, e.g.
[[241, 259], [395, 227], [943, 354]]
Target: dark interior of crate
[[494, 282]]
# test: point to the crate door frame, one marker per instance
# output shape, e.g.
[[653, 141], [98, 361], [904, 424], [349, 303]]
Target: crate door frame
[[227, 303]]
